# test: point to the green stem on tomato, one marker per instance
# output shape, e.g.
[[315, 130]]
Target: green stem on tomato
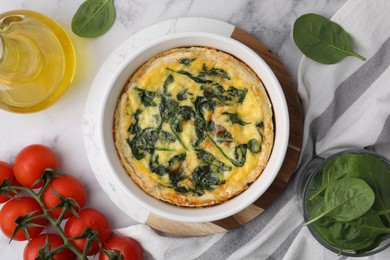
[[57, 250], [53, 221], [63, 212], [36, 217]]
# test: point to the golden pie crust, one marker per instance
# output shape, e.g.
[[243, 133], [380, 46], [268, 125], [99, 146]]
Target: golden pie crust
[[194, 126]]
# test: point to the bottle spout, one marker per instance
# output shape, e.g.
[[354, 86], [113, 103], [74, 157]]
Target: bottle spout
[[6, 22]]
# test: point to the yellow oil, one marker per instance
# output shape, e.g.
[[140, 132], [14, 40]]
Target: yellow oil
[[37, 61]]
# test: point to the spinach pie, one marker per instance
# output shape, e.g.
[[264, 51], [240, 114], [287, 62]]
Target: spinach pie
[[194, 126]]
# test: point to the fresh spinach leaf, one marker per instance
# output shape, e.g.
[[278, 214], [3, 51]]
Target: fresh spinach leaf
[[346, 199], [363, 233], [333, 170], [316, 206], [372, 170], [358, 235], [366, 167], [374, 244], [349, 198], [315, 184], [322, 40], [233, 118], [94, 18]]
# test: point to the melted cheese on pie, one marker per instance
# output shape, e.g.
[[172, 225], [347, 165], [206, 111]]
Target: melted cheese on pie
[[194, 126]]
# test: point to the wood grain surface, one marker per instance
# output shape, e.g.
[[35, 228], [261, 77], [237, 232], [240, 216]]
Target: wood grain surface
[[286, 171]]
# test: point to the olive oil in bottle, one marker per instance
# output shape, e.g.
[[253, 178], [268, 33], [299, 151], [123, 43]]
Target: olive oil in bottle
[[37, 61]]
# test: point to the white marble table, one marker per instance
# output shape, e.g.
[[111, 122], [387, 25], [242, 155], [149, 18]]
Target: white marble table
[[61, 125]]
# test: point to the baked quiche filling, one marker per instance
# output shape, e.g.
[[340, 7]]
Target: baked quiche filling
[[194, 127]]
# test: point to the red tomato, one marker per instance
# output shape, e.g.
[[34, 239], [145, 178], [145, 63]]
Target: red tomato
[[6, 172], [31, 162], [47, 242], [67, 187], [92, 219], [127, 247], [16, 208]]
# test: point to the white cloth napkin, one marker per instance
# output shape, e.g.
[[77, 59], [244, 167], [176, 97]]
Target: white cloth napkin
[[346, 105]]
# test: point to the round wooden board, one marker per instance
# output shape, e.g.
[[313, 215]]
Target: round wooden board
[[286, 171]]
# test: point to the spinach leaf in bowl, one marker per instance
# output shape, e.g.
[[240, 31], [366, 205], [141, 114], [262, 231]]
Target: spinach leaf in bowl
[[346, 199], [348, 202], [358, 234]]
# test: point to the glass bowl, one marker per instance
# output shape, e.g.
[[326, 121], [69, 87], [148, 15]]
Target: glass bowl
[[354, 163]]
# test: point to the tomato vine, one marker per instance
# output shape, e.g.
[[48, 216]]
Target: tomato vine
[[59, 198]]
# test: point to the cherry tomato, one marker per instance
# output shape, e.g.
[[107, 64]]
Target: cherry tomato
[[20, 207], [127, 247], [46, 243], [92, 219], [31, 162], [67, 187], [6, 173]]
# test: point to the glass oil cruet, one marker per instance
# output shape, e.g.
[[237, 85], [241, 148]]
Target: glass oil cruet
[[37, 61]]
